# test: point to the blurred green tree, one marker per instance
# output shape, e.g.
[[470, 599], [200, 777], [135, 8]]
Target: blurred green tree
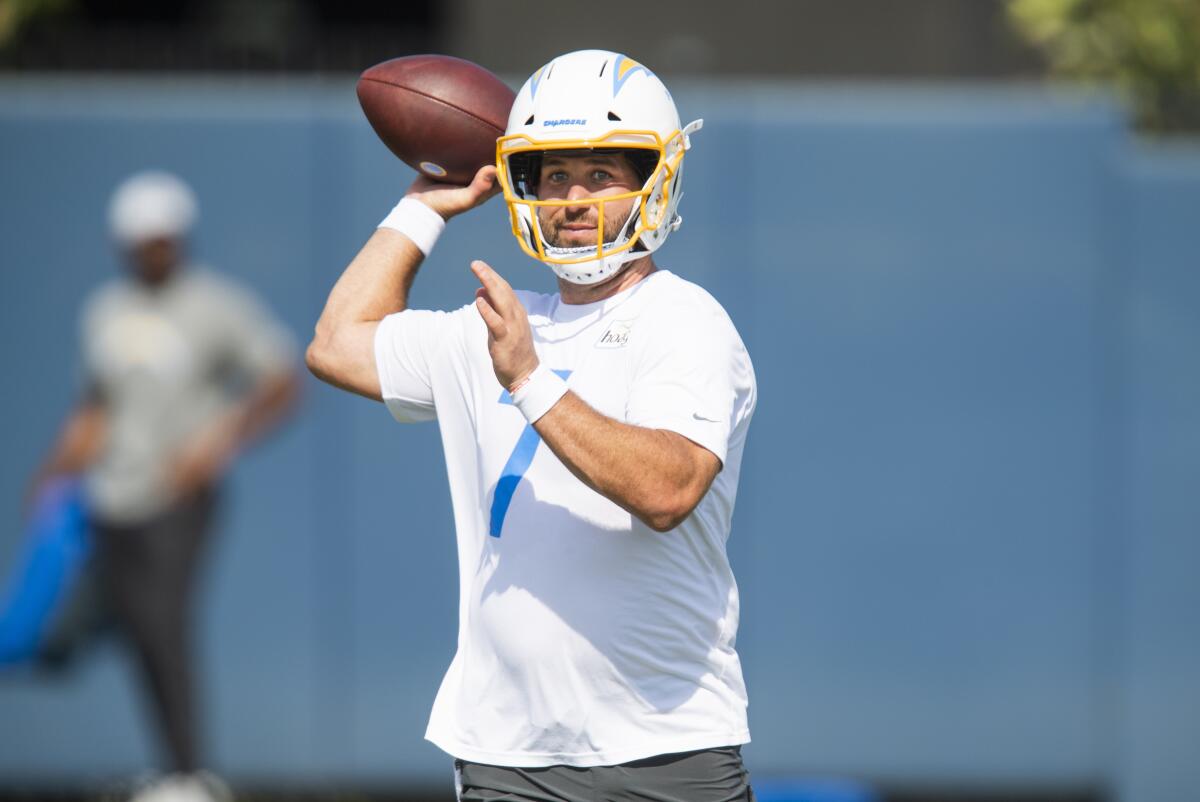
[[16, 14], [1150, 49]]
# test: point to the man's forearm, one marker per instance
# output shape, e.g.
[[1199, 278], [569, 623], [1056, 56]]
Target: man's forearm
[[204, 457], [374, 285], [79, 441], [377, 281], [656, 475], [77, 446]]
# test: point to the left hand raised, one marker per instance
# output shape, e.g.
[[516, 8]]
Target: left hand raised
[[510, 341]]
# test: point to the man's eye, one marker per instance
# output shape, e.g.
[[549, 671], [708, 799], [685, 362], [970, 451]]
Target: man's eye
[[601, 175]]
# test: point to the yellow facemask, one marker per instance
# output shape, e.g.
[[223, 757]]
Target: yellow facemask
[[652, 199]]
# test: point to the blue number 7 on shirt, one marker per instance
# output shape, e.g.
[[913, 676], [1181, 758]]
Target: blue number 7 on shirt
[[518, 462]]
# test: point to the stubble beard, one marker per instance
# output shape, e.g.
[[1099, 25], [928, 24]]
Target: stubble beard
[[552, 226]]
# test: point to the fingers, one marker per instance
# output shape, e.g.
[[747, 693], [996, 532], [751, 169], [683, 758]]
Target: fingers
[[500, 294], [484, 184], [489, 278], [491, 318], [450, 200], [510, 340]]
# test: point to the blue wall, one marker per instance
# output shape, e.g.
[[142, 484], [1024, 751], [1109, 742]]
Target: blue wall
[[966, 536], [1160, 624]]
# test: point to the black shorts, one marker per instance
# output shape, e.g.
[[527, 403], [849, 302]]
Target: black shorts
[[706, 775]]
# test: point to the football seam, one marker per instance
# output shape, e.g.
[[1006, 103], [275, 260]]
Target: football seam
[[470, 114]]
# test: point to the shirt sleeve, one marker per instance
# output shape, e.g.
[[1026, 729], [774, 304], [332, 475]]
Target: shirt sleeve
[[685, 378], [407, 346], [262, 345]]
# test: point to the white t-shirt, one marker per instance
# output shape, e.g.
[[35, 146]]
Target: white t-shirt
[[585, 637], [167, 362]]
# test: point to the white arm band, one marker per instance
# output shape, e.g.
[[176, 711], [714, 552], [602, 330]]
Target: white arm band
[[416, 221], [539, 393]]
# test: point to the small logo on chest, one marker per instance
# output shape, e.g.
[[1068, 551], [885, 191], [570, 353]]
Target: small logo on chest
[[616, 335]]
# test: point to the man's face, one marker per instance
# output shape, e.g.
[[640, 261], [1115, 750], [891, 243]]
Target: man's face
[[154, 260], [579, 175]]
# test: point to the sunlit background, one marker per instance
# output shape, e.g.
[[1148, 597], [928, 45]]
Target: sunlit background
[[961, 239]]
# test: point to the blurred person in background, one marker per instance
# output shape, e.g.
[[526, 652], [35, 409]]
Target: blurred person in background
[[183, 368]]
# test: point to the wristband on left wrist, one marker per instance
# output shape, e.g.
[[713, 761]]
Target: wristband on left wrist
[[538, 393]]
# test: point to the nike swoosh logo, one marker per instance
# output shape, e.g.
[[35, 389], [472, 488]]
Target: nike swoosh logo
[[698, 416]]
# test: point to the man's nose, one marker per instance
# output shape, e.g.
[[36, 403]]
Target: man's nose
[[577, 193]]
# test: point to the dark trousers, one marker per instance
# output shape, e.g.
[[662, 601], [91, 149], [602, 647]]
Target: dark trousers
[[147, 572], [706, 775]]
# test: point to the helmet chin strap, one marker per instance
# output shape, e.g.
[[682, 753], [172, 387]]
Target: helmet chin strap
[[595, 270]]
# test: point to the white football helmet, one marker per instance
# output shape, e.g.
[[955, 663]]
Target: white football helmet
[[594, 99]]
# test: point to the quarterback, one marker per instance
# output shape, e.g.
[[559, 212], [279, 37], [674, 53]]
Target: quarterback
[[593, 439]]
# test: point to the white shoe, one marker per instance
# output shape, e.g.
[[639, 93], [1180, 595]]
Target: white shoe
[[202, 786]]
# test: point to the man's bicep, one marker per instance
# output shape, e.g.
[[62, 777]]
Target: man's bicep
[[407, 346], [685, 387]]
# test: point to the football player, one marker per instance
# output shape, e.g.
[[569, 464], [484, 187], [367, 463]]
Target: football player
[[593, 440]]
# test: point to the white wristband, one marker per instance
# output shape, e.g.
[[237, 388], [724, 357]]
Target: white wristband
[[538, 393], [416, 221]]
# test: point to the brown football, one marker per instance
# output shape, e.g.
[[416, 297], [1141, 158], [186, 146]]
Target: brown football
[[439, 114]]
